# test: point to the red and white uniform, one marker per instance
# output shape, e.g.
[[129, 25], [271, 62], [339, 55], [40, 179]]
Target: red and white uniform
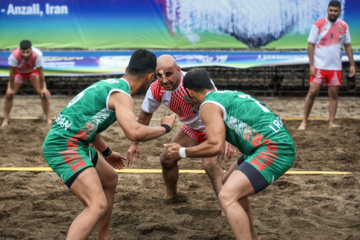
[[178, 102], [25, 67], [329, 39]]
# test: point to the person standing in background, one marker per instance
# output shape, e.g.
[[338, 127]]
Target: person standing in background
[[326, 40], [26, 62]]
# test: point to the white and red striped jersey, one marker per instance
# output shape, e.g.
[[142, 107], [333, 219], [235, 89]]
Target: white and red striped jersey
[[16, 60], [176, 100], [329, 39]]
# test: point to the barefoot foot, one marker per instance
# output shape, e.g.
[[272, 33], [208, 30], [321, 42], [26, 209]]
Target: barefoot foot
[[302, 126]]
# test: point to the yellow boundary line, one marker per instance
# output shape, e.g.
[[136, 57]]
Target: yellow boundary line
[[48, 169], [158, 119]]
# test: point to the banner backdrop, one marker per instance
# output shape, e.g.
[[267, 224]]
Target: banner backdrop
[[167, 24], [80, 63]]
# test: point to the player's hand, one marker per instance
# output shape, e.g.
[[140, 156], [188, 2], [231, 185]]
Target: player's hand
[[312, 70], [134, 148], [230, 150], [45, 93], [173, 150], [169, 120], [10, 93], [116, 160], [352, 71]]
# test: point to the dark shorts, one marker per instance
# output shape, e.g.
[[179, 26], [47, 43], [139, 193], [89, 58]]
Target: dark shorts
[[257, 181], [263, 167]]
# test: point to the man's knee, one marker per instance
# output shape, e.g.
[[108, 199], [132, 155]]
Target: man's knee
[[209, 164], [112, 180], [333, 95], [313, 93], [100, 207], [10, 98], [166, 161], [225, 198]]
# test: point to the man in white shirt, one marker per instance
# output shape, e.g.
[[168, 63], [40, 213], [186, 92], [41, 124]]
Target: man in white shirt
[[26, 62], [326, 40], [168, 90]]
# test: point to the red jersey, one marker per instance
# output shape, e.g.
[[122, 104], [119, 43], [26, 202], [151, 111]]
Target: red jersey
[[26, 66], [176, 100]]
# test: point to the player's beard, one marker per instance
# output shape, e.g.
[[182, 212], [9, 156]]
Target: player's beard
[[332, 18]]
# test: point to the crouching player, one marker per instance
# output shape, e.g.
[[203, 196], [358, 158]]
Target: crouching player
[[88, 175], [251, 127]]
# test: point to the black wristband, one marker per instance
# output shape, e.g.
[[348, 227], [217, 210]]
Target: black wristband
[[107, 152], [167, 127]]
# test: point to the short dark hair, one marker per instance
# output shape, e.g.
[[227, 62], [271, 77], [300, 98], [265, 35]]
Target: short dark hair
[[25, 44], [334, 4], [142, 62], [197, 79]]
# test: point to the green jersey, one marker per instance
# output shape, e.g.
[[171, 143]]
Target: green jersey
[[257, 132], [249, 123], [86, 114]]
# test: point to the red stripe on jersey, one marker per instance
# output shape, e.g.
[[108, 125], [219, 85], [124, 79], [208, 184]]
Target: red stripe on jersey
[[332, 37], [198, 136], [157, 90], [320, 24], [179, 106]]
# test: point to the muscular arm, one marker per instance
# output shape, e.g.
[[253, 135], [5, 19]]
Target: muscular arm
[[211, 116], [311, 50], [12, 77], [124, 109], [41, 77], [99, 143], [10, 92], [349, 53], [144, 118], [43, 90], [114, 158]]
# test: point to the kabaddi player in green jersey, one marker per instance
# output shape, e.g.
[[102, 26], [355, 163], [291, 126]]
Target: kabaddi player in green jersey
[[90, 176], [267, 147]]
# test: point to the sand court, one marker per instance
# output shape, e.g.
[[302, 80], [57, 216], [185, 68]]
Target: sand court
[[321, 201]]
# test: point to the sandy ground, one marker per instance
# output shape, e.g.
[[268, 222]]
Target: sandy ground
[[37, 205]]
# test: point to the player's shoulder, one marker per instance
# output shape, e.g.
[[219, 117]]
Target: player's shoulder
[[320, 22], [342, 23], [15, 58], [36, 51], [156, 86], [15, 52]]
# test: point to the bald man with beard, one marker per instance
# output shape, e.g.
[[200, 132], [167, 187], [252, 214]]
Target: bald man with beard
[[168, 90]]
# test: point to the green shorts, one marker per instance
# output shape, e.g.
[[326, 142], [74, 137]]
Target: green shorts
[[267, 164], [69, 162]]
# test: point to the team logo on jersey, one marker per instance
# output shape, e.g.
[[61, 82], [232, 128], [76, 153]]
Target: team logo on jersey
[[187, 99], [340, 29]]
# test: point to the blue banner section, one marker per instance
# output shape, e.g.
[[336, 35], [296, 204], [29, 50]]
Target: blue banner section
[[167, 24], [80, 63]]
